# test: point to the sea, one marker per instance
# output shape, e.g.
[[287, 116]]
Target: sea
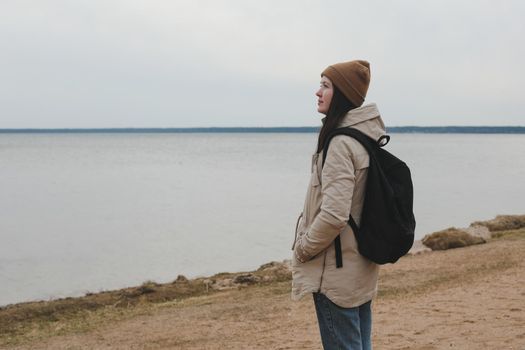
[[87, 212]]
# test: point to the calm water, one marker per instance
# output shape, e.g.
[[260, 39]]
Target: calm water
[[88, 212]]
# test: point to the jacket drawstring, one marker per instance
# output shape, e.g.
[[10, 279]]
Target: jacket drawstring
[[296, 226]]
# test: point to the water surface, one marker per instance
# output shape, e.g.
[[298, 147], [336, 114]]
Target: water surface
[[88, 212]]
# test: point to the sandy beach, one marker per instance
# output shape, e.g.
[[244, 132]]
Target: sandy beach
[[464, 298]]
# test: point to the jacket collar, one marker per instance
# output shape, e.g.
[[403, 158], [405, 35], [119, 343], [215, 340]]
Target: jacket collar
[[359, 115], [366, 119]]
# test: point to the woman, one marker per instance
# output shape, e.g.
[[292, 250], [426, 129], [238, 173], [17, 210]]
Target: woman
[[342, 296]]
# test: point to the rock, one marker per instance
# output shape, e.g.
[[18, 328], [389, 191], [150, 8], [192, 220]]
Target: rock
[[269, 265], [479, 231], [246, 279], [503, 223], [223, 284], [277, 271], [451, 238], [275, 265], [181, 279], [418, 247], [208, 282], [146, 288]]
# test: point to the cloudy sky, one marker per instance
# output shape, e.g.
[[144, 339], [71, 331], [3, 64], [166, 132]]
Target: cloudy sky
[[175, 63]]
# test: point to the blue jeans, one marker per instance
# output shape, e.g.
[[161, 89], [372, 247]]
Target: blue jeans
[[343, 328]]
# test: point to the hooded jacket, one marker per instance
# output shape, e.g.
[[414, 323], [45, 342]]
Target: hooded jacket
[[335, 191]]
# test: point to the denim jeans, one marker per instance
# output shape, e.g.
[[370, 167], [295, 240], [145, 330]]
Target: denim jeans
[[343, 328]]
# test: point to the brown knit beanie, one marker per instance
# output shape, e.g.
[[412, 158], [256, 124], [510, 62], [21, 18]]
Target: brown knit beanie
[[352, 78]]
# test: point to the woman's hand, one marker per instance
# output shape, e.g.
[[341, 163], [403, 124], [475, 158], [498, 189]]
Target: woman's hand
[[299, 252]]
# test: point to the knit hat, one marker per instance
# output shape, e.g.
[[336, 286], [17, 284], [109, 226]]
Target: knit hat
[[352, 78]]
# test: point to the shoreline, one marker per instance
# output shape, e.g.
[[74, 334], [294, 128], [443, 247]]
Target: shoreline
[[413, 277], [501, 222]]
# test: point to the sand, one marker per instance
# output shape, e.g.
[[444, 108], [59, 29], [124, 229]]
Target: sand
[[465, 298]]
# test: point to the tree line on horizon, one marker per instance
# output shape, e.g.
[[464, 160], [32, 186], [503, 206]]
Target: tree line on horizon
[[306, 129]]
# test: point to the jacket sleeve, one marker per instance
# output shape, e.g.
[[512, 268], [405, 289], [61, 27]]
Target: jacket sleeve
[[337, 181]]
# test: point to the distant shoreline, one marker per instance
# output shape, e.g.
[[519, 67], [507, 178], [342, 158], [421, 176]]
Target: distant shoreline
[[394, 129]]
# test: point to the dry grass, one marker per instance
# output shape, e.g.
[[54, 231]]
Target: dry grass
[[462, 266], [20, 318], [509, 234], [62, 316]]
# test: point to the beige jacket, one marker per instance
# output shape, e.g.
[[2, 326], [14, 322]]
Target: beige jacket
[[332, 195]]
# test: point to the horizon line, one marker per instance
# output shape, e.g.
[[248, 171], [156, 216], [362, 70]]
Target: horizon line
[[283, 129]]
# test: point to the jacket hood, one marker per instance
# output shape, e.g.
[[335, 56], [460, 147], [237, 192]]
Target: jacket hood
[[366, 119]]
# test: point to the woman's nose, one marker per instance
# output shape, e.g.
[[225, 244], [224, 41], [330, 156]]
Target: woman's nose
[[318, 93]]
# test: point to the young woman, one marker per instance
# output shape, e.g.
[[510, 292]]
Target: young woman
[[342, 296]]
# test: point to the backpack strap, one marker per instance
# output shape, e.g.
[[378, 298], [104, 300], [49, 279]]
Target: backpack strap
[[338, 252], [337, 243], [367, 143], [363, 139]]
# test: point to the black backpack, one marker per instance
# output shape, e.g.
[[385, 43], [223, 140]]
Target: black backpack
[[387, 225]]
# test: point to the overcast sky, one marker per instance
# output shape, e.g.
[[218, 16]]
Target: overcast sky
[[169, 63]]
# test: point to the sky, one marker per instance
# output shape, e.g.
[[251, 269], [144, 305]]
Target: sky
[[226, 63]]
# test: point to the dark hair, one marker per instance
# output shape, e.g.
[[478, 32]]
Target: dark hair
[[338, 108]]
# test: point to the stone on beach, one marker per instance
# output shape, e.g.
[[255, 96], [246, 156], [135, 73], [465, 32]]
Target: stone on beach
[[451, 238], [222, 284], [275, 270], [478, 231], [248, 278], [271, 272], [502, 223], [181, 279]]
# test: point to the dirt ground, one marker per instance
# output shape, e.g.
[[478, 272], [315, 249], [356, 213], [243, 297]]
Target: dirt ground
[[466, 298]]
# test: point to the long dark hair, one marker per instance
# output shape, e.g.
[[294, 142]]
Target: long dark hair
[[339, 106]]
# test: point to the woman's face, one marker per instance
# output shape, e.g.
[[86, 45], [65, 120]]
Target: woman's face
[[324, 95]]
